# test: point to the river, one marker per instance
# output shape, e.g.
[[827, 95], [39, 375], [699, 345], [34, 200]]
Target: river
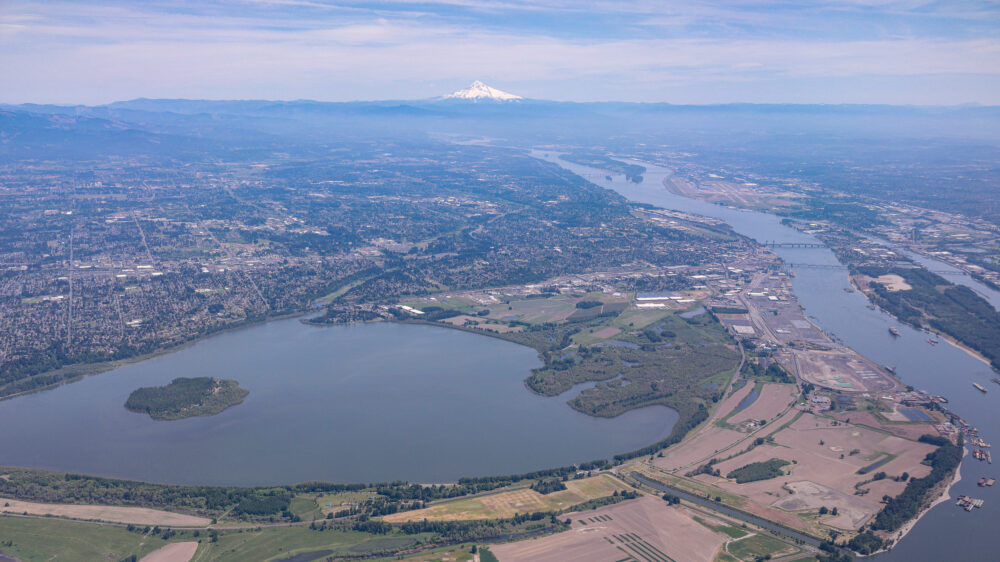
[[946, 532], [357, 403]]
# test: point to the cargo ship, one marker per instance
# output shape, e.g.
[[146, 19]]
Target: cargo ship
[[980, 387], [894, 331]]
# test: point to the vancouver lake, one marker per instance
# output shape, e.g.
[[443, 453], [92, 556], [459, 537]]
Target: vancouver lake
[[354, 403]]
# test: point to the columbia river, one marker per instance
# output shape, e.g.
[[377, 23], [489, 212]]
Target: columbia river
[[945, 532]]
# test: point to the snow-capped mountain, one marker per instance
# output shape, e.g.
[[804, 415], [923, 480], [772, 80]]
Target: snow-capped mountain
[[479, 91]]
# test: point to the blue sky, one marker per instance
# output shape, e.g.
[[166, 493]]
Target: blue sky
[[852, 51]]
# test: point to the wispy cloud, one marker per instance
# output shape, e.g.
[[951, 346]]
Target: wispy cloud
[[658, 51]]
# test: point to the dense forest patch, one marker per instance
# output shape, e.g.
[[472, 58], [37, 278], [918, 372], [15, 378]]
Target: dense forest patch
[[755, 471], [186, 397]]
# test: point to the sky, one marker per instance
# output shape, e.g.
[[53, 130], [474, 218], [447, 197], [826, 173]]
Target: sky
[[685, 51]]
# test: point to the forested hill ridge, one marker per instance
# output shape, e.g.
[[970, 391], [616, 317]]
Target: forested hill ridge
[[186, 398]]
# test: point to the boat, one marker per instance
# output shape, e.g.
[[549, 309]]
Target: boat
[[996, 380], [933, 341], [894, 331], [980, 387]]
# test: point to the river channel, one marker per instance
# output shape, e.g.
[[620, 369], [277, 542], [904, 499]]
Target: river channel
[[946, 532], [358, 403]]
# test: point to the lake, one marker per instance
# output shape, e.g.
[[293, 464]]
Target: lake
[[355, 403]]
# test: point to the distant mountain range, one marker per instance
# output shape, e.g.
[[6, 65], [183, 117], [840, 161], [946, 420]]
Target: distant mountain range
[[164, 127]]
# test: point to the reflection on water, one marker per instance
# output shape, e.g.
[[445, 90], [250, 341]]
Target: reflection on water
[[356, 403]]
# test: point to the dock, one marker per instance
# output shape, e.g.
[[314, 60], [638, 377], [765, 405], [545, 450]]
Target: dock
[[968, 503]]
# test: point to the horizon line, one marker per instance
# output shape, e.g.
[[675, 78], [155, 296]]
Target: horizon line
[[445, 99]]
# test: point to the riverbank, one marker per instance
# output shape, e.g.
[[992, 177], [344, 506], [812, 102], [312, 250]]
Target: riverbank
[[948, 338], [942, 496], [823, 296]]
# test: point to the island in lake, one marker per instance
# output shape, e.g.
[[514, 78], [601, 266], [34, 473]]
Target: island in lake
[[186, 397]]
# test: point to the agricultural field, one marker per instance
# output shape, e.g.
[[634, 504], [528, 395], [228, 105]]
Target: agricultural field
[[285, 542], [48, 539], [876, 420], [511, 502], [461, 553], [708, 488], [134, 515], [173, 552], [772, 399], [832, 464], [646, 530], [737, 419]]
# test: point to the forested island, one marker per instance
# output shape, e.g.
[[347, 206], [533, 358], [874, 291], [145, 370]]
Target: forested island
[[186, 398], [930, 301]]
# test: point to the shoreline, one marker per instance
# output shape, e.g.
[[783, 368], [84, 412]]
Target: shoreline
[[948, 338], [962, 347], [944, 496], [94, 369]]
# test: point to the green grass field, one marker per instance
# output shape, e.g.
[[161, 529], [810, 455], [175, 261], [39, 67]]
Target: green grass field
[[48, 539], [284, 542], [461, 553], [756, 546], [31, 539], [638, 319], [730, 530], [535, 311], [314, 506], [305, 507]]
